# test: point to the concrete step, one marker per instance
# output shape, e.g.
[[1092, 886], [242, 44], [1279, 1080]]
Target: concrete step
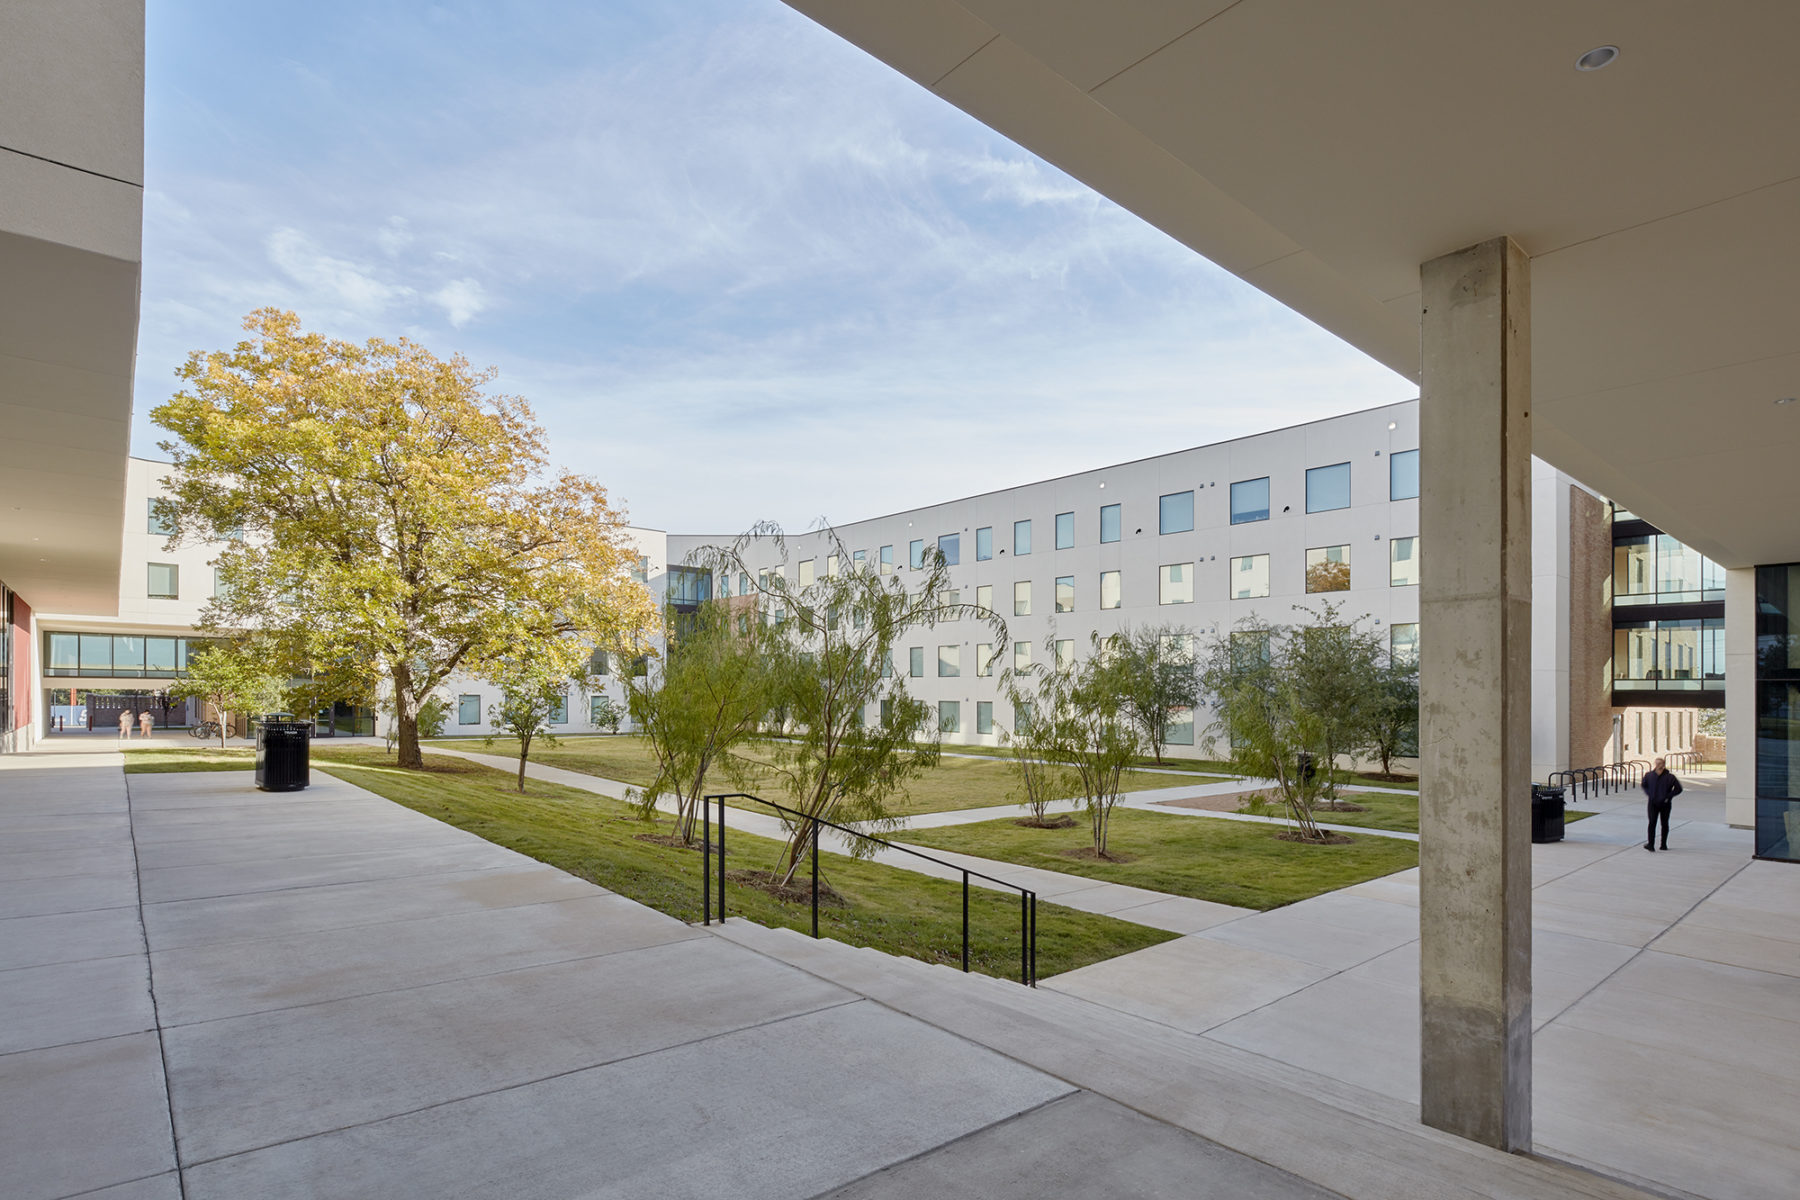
[[1352, 1141]]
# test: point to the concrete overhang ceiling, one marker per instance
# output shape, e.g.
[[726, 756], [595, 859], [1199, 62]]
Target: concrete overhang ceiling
[[1322, 150]]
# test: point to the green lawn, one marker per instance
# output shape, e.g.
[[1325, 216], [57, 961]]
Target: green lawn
[[953, 784], [1229, 862], [599, 839], [1384, 810]]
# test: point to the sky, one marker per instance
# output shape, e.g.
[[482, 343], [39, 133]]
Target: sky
[[740, 269]]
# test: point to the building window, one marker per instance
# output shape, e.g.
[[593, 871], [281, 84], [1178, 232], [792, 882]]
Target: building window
[[1403, 642], [949, 716], [598, 709], [1175, 513], [831, 566], [887, 560], [599, 662], [1250, 577], [1065, 653], [1177, 647], [1180, 729], [1328, 569], [984, 597], [1022, 598], [1065, 530], [806, 573], [887, 711], [468, 710], [984, 716], [641, 572], [1109, 523], [1250, 500], [158, 523], [1403, 562], [1674, 655], [1328, 488], [1021, 655], [1065, 593], [1177, 584], [887, 666], [1021, 538], [165, 581], [950, 546], [858, 559], [218, 584], [1403, 475], [949, 662], [689, 586], [915, 553], [984, 543], [559, 711], [1109, 589], [984, 659], [916, 662]]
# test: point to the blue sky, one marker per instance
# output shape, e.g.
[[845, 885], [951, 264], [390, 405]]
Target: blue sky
[[741, 269]]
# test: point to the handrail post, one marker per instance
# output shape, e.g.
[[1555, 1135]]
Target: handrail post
[[965, 920], [815, 881], [721, 860], [1034, 939], [1024, 939], [706, 860]]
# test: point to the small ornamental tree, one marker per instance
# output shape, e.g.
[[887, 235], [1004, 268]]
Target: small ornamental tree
[[1096, 733], [1031, 746], [851, 728], [1334, 668], [1247, 676], [1394, 727], [233, 678], [534, 695], [1160, 679]]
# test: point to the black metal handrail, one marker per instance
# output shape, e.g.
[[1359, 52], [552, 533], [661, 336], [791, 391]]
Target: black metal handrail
[[1027, 897]]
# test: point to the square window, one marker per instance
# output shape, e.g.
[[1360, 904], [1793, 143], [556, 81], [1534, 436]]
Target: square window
[[1177, 647], [1065, 593], [916, 662], [1250, 577], [1328, 569], [1180, 729], [949, 662], [806, 573], [599, 662], [984, 658], [1403, 562], [1022, 598], [1177, 584], [984, 597], [1109, 589], [1403, 475], [1250, 500], [1021, 537], [165, 581], [96, 654], [1403, 644], [1175, 513], [984, 716], [887, 560], [128, 655], [559, 711], [1021, 655], [984, 543], [1109, 523], [641, 572], [1328, 488], [950, 546], [915, 553], [468, 710], [949, 716], [1065, 653], [158, 523], [1065, 530], [159, 654]]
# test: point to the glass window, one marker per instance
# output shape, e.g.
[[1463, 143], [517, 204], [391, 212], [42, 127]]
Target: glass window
[[806, 573], [831, 566], [1021, 655], [1677, 570], [950, 546], [96, 654], [1065, 593], [984, 716], [468, 710], [1065, 653], [1022, 598], [159, 657], [949, 662], [1328, 569], [1021, 537], [559, 711], [1250, 500], [641, 572], [1328, 488], [157, 524], [65, 653], [887, 667], [1177, 647], [218, 584], [1109, 523], [1065, 530], [599, 663], [128, 655], [1021, 716], [1403, 642], [165, 581], [887, 711], [916, 662], [1180, 729], [1175, 513], [1109, 589], [915, 553], [1403, 562], [984, 543], [887, 560], [949, 716], [858, 559], [1403, 475], [984, 597], [1634, 570], [1177, 584], [984, 658], [1250, 577], [951, 608], [597, 708]]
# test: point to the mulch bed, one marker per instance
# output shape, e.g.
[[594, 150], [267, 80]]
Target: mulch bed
[[797, 892], [669, 839], [1089, 853], [1046, 823], [1331, 839]]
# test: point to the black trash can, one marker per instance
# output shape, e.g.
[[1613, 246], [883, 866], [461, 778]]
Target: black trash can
[[283, 753], [1547, 807]]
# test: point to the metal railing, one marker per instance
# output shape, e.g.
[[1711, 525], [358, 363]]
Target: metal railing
[[1027, 897], [1600, 780]]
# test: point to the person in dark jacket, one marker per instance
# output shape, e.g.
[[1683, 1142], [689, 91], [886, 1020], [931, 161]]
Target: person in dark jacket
[[1660, 787]]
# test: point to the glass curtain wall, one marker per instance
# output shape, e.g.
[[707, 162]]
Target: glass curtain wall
[[1778, 712]]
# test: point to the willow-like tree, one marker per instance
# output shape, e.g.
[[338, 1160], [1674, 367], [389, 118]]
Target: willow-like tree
[[388, 520]]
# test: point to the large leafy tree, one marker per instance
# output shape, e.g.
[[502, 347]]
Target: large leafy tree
[[233, 678], [1159, 677], [389, 521]]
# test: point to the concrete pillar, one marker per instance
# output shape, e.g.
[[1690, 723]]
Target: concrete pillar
[[1740, 697], [1475, 695]]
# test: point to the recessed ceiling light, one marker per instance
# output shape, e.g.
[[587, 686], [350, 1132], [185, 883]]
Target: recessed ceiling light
[[1785, 400], [1599, 56], [1392, 425]]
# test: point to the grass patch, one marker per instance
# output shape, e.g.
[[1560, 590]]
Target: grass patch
[[600, 840], [1228, 862], [955, 783]]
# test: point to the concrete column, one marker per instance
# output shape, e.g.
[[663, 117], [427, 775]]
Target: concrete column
[[1740, 697], [1475, 695]]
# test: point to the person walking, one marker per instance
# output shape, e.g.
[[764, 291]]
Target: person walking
[[125, 725], [146, 722], [1660, 788]]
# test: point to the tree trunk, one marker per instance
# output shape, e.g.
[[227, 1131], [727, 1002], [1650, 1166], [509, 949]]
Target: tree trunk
[[524, 752], [406, 722], [224, 724]]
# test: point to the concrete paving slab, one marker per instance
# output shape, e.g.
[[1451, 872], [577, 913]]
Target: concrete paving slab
[[263, 846], [74, 1002], [77, 831], [1362, 913], [227, 979], [1349, 1028], [83, 1117], [1083, 1145], [1191, 983], [158, 1187], [1733, 947], [325, 1066], [69, 937], [1181, 914], [47, 864], [1294, 935], [789, 1108], [1738, 989], [278, 873], [1751, 1042], [66, 894], [1618, 928]]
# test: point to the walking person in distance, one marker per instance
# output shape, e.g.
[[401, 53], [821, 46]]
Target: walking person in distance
[[1660, 788]]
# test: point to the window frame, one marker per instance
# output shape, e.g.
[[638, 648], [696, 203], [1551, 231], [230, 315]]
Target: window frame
[[1319, 473], [1250, 516], [1164, 527]]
